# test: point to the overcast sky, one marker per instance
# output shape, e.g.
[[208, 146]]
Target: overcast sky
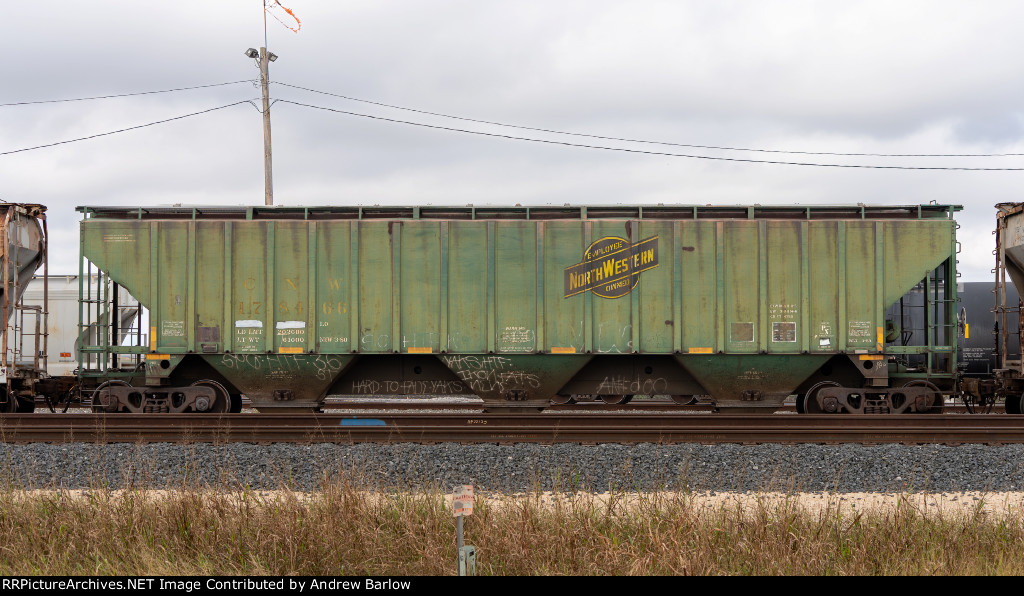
[[920, 77]]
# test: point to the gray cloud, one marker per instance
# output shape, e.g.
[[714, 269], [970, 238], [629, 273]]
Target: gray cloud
[[866, 77]]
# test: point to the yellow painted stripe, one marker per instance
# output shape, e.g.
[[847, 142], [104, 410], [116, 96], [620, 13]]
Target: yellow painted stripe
[[872, 357], [152, 338], [568, 350], [421, 350], [967, 331], [289, 350], [157, 356], [701, 350]]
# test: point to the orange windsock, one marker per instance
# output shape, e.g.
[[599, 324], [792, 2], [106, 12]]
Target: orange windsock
[[269, 6]]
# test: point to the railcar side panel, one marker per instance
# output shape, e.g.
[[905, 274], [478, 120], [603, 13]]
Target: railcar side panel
[[420, 289], [515, 288], [212, 326], [824, 293], [783, 275], [174, 302], [701, 291], [562, 328], [248, 323], [468, 287], [291, 308], [743, 288], [653, 311], [335, 286], [375, 286]]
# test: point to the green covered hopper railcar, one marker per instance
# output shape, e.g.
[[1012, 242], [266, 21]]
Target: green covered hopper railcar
[[526, 305]]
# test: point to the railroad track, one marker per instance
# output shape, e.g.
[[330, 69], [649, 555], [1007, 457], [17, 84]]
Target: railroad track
[[543, 428], [635, 406], [426, 404], [470, 406]]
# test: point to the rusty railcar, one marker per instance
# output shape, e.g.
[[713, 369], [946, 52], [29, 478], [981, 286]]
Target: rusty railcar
[[521, 306], [1008, 380], [23, 340]]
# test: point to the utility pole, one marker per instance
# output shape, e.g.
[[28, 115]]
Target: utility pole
[[268, 173], [265, 58]]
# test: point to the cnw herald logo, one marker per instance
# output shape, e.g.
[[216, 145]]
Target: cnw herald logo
[[611, 267]]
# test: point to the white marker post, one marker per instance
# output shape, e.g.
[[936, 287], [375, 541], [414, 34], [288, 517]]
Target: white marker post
[[462, 505]]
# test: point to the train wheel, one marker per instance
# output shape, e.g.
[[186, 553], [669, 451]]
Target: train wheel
[[223, 402], [809, 401], [17, 404], [938, 402], [684, 400], [616, 400], [561, 400], [809, 405], [98, 407], [11, 405]]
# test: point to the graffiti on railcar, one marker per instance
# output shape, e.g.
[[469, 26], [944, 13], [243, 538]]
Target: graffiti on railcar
[[285, 365], [621, 385], [491, 373], [427, 387]]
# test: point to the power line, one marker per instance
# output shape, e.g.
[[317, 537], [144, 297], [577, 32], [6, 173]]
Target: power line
[[27, 103], [104, 134], [690, 146], [665, 154]]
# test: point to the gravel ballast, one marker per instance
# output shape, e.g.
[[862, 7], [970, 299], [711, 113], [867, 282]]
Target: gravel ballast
[[521, 467]]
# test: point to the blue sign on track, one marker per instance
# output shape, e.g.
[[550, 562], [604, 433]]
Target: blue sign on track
[[362, 422]]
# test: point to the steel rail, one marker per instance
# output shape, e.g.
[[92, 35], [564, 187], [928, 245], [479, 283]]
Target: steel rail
[[478, 406], [547, 428], [659, 405], [586, 407]]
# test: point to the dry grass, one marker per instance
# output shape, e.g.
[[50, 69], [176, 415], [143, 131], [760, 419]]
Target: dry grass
[[344, 530]]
